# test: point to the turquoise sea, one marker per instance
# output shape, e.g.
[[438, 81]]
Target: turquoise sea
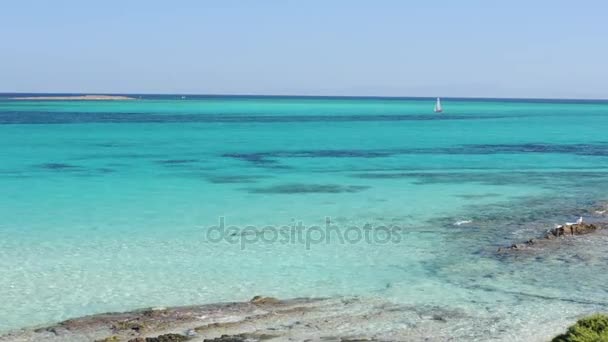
[[108, 206]]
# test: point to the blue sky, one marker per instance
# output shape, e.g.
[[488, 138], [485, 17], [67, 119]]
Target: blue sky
[[482, 48]]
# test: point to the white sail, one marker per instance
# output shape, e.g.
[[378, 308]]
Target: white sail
[[438, 108]]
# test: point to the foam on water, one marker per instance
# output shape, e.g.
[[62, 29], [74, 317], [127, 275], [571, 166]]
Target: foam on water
[[108, 210]]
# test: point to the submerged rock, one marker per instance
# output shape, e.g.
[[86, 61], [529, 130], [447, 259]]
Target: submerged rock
[[297, 188]]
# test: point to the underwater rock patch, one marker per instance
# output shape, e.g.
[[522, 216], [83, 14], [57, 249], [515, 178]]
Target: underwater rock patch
[[259, 158], [600, 149], [57, 166], [492, 178], [308, 189], [176, 161], [105, 170], [254, 158], [233, 179], [83, 117], [478, 196]]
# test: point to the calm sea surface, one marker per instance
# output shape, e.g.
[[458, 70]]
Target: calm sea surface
[[112, 206]]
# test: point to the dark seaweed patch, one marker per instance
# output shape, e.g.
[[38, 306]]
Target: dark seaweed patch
[[176, 161], [599, 149], [259, 158], [493, 178], [546, 179], [333, 154], [111, 144], [254, 158], [268, 159], [478, 196], [233, 179], [105, 170], [42, 117], [308, 189], [392, 175], [57, 166], [120, 156]]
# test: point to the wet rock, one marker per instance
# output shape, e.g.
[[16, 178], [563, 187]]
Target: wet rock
[[128, 325], [56, 330], [242, 338], [217, 325], [259, 300], [135, 325], [439, 318], [516, 246], [109, 339], [162, 338], [572, 229], [555, 233], [228, 338], [154, 312]]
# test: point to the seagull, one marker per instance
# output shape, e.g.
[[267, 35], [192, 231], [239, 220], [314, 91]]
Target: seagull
[[580, 220]]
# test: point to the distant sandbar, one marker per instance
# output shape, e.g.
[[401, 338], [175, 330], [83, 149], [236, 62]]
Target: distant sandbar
[[76, 97]]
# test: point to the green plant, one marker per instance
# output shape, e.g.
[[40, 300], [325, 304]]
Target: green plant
[[589, 329]]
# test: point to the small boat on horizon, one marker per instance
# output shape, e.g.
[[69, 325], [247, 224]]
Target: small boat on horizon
[[438, 108]]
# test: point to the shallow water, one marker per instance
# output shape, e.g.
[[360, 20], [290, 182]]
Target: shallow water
[[108, 206]]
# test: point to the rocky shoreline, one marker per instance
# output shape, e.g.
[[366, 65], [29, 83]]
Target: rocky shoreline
[[260, 319]]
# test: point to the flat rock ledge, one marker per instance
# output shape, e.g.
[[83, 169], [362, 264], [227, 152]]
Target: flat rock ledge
[[555, 234], [260, 319]]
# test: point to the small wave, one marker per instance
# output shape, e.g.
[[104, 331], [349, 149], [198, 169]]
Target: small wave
[[461, 222]]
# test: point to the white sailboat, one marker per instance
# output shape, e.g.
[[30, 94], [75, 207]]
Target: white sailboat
[[438, 108]]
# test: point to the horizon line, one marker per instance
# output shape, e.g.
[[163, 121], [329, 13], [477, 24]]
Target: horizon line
[[306, 96]]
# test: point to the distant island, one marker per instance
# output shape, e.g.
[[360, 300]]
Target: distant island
[[76, 97]]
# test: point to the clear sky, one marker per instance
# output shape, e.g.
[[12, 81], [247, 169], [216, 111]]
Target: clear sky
[[484, 48]]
